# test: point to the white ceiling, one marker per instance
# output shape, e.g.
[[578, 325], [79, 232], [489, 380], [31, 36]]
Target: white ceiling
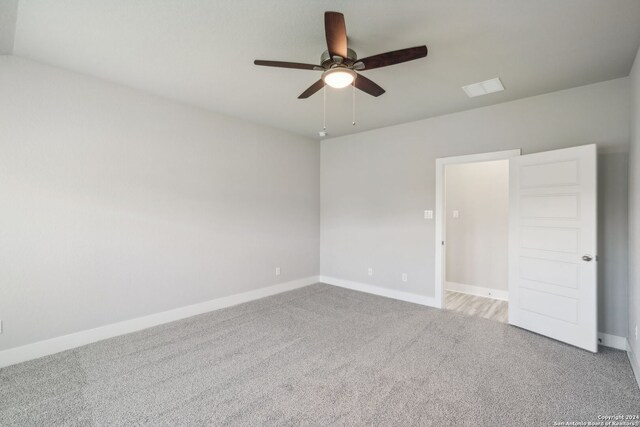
[[201, 51]]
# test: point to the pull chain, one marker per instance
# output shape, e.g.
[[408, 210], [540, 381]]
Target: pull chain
[[324, 107], [353, 122]]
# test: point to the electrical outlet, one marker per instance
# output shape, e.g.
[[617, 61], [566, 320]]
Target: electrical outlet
[[428, 214], [404, 277], [277, 271], [370, 271]]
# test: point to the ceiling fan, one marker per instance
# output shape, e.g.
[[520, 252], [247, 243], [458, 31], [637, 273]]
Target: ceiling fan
[[339, 63]]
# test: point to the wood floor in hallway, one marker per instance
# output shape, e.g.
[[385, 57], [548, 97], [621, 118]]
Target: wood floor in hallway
[[472, 305]]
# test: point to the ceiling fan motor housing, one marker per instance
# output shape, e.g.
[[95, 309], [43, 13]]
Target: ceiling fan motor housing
[[327, 61]]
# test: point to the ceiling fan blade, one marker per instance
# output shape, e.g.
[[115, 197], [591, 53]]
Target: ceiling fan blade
[[283, 64], [391, 58], [368, 86], [336, 33], [312, 89]]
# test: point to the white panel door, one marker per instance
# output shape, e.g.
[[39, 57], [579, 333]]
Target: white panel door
[[552, 245]]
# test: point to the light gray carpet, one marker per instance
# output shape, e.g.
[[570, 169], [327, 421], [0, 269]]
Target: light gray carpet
[[318, 356]]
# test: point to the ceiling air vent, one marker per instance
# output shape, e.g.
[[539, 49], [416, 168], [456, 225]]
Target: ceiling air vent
[[483, 88]]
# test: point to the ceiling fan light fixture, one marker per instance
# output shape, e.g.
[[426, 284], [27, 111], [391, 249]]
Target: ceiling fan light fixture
[[339, 63], [339, 77]]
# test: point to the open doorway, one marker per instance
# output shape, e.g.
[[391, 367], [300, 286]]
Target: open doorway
[[476, 221], [472, 229], [552, 241]]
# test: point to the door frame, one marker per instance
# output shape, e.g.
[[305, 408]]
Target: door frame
[[440, 234]]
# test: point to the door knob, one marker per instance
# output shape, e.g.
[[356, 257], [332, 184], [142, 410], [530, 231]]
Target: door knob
[[587, 257]]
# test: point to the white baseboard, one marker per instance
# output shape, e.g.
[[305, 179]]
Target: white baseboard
[[612, 341], [477, 291], [635, 364], [377, 290], [77, 339]]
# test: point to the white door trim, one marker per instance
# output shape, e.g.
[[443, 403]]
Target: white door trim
[[439, 211]]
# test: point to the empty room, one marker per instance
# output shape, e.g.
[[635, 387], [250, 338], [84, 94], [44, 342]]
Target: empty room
[[422, 212]]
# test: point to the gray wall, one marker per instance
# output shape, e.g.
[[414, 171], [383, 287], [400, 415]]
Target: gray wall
[[8, 16], [375, 185], [117, 204], [613, 232], [477, 241], [634, 213]]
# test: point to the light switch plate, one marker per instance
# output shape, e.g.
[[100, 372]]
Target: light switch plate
[[428, 214], [456, 214]]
